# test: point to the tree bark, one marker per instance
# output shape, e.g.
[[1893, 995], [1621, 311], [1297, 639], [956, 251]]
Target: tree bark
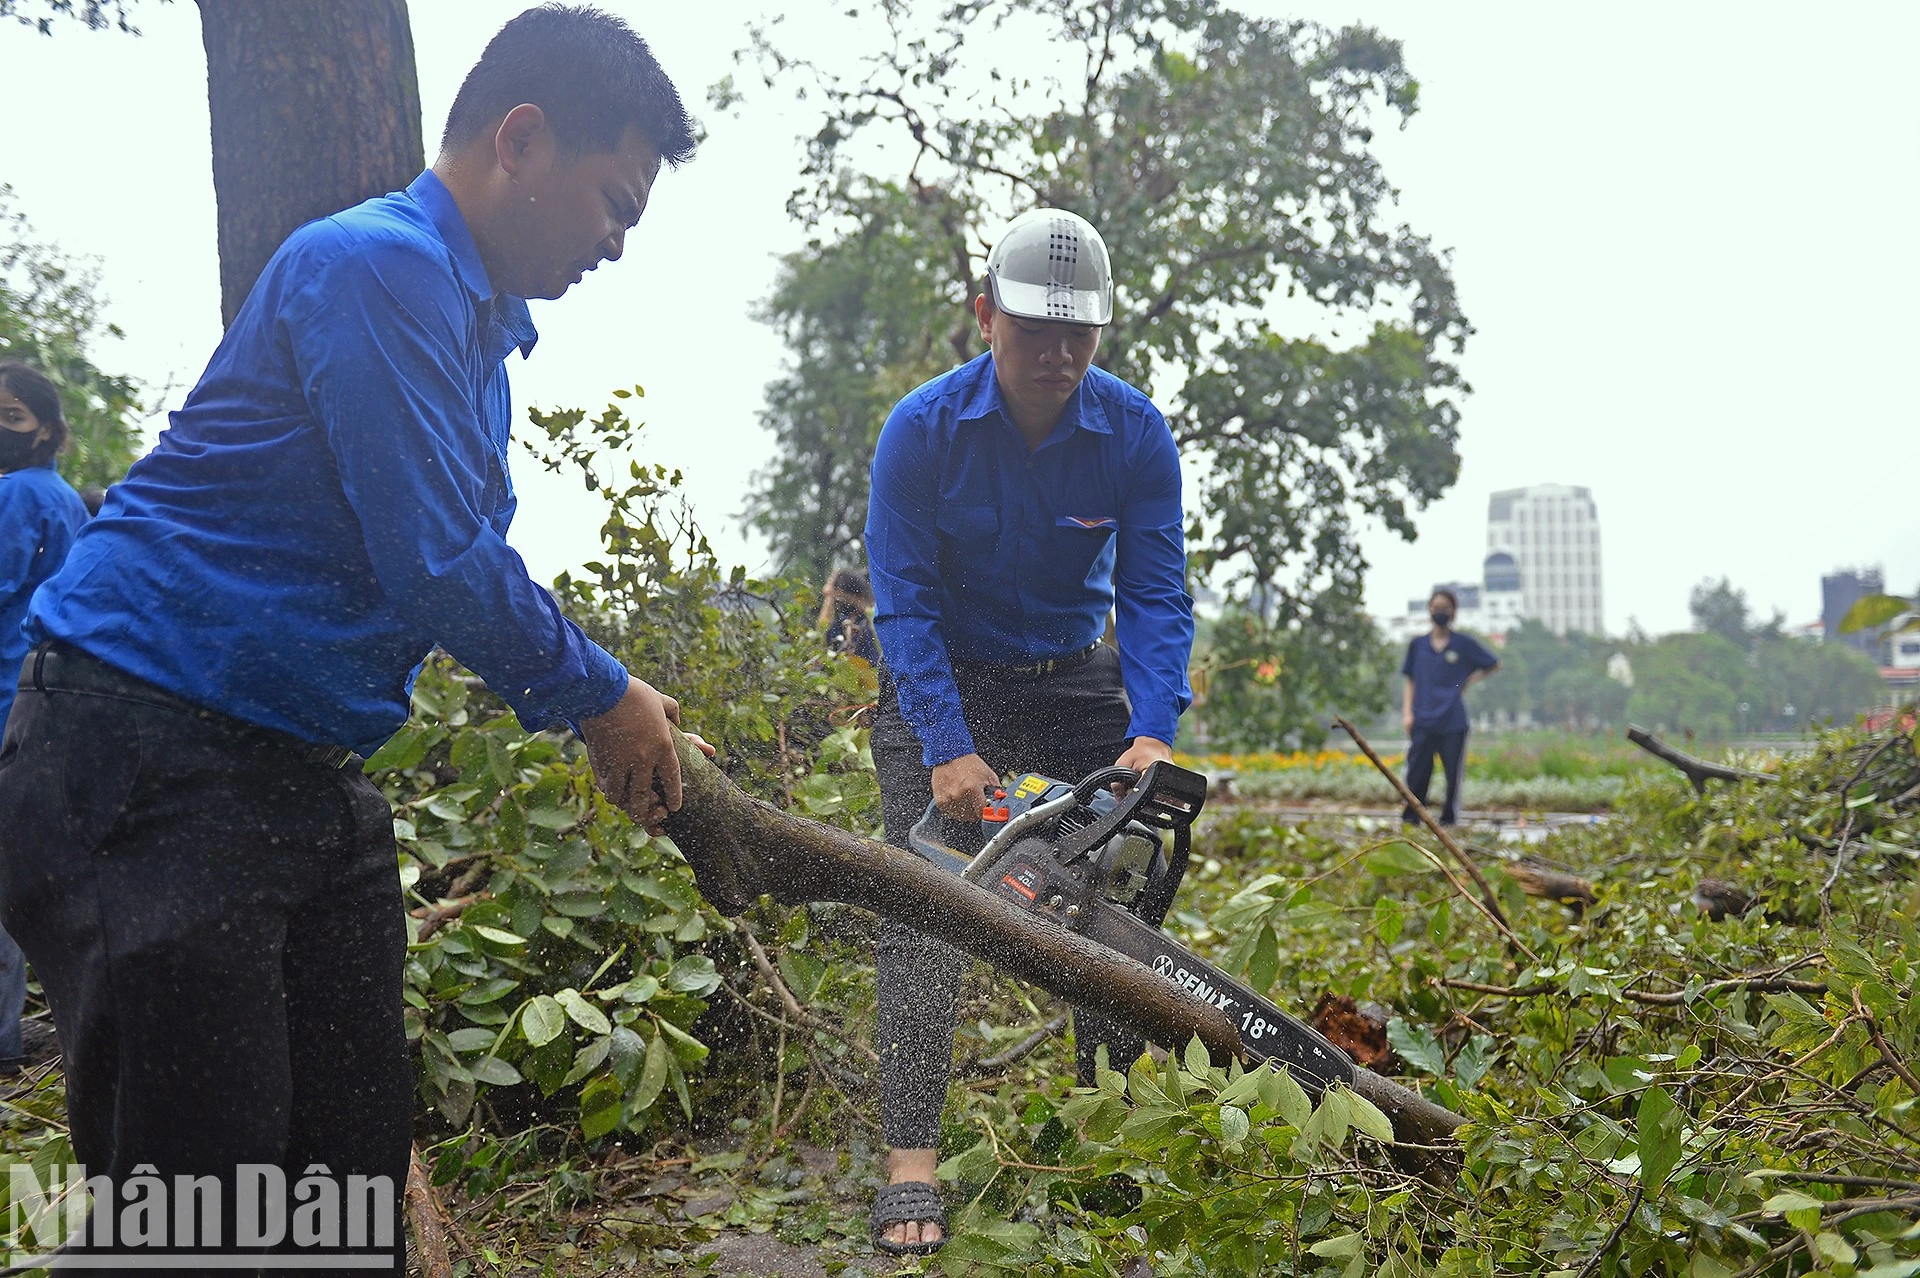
[[1698, 771], [315, 107]]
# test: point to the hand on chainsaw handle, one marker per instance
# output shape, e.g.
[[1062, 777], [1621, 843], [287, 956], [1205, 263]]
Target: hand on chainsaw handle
[[1143, 751], [960, 786]]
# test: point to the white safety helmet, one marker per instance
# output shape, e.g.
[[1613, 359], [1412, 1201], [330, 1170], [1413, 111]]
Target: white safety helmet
[[1050, 264]]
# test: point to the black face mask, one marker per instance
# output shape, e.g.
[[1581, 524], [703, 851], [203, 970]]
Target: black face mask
[[19, 449], [1441, 617]]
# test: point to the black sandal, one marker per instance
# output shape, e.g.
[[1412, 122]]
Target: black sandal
[[909, 1202]]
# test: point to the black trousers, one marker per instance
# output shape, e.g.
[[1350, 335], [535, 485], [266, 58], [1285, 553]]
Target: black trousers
[[1063, 725], [218, 926], [1452, 749]]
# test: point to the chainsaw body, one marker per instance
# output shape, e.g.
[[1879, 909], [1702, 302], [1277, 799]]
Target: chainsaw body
[[1100, 864]]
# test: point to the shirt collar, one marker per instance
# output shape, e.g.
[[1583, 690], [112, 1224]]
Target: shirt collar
[[431, 194], [1083, 412]]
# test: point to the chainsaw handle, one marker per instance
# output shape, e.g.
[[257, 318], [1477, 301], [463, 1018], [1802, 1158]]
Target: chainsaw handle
[[1094, 782]]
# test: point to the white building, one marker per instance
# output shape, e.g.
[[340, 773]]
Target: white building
[[1552, 535]]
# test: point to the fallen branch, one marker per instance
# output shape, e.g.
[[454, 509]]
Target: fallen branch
[[1020, 1050], [432, 1227], [1626, 1218], [1698, 771], [1488, 903], [434, 917], [1768, 984]]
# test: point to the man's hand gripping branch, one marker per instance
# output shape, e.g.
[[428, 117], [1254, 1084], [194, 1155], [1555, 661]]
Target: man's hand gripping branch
[[631, 749]]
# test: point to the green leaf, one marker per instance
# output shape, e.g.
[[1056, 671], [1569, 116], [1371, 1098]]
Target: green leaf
[[802, 973], [693, 974], [1473, 1061], [584, 1014], [1282, 1093], [600, 1107], [1417, 1046], [1197, 1060], [627, 1052], [1801, 1211], [1657, 1127], [1388, 919], [1366, 1117], [1399, 858], [491, 1069], [1234, 1126], [542, 1020], [1340, 1247], [653, 1076], [500, 937], [587, 1060], [1264, 964], [470, 1040]]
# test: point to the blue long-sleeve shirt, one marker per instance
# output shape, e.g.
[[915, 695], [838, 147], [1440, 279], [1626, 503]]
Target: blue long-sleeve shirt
[[982, 551], [40, 515], [333, 500]]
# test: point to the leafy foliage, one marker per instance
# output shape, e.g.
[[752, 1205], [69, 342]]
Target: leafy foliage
[[50, 317], [554, 943], [1226, 160]]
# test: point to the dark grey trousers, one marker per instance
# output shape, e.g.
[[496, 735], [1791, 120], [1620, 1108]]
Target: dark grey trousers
[[1064, 725]]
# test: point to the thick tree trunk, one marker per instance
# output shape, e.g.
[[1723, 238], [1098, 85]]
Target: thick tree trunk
[[316, 106]]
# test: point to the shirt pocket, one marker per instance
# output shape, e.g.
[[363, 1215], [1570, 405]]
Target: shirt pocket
[[1079, 545]]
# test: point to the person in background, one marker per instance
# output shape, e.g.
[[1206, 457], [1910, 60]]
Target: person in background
[[40, 514], [1440, 666], [846, 616]]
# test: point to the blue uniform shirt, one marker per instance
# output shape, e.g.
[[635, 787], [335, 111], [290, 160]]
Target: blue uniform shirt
[[1439, 678], [980, 550], [333, 500], [40, 515]]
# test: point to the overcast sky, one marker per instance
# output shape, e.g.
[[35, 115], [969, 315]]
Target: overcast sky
[[1684, 234]]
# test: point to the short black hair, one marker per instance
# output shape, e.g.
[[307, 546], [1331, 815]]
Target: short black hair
[[1453, 600], [36, 390], [588, 70]]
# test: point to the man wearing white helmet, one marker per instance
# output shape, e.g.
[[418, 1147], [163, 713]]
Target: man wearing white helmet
[[1016, 501]]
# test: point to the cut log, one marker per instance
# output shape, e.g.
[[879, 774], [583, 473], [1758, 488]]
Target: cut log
[[1698, 771], [740, 849]]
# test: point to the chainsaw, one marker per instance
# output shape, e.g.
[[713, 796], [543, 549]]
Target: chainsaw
[[1099, 864]]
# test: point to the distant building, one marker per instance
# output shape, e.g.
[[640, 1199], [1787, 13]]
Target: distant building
[[1504, 602], [1839, 591], [1905, 647], [1551, 535]]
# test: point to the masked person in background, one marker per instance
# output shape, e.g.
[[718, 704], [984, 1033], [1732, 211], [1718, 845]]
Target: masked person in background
[[846, 616], [40, 515], [1440, 667], [1016, 501], [194, 858]]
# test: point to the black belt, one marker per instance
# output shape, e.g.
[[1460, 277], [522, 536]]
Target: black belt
[[1038, 670], [60, 667]]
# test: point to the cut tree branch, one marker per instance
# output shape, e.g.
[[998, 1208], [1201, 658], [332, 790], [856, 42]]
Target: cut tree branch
[[1487, 902], [1698, 771]]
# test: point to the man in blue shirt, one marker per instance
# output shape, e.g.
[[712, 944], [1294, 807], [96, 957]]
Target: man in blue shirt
[[207, 893], [1440, 667], [1015, 502]]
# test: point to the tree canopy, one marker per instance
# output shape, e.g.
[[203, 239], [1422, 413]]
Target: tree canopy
[[1303, 343]]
